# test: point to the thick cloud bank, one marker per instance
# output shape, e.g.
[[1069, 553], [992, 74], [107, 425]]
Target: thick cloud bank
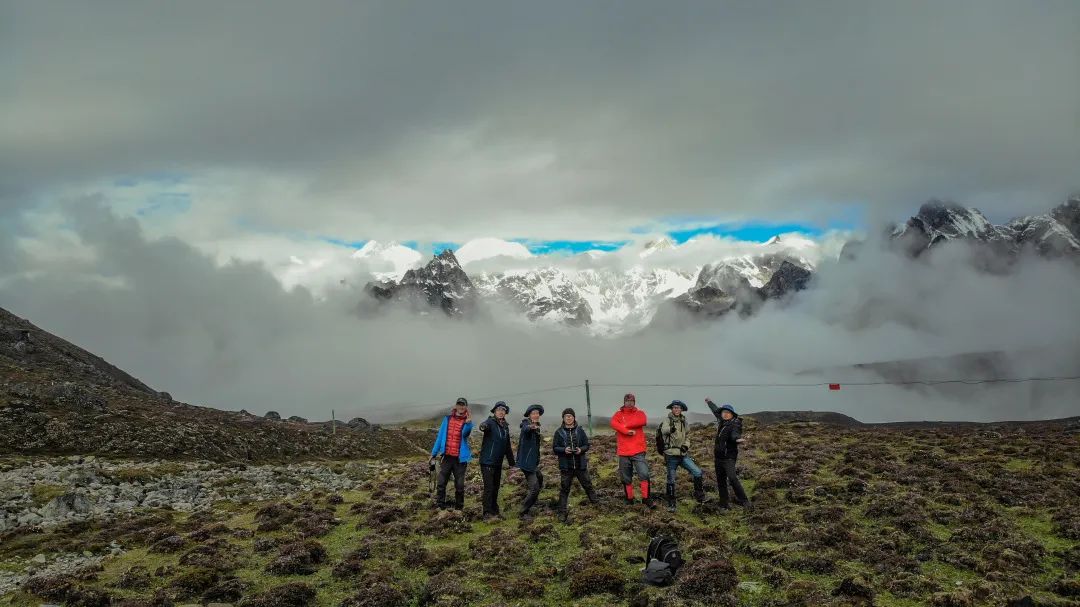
[[230, 336]]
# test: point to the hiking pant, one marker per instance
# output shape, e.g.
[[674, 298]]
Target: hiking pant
[[535, 482], [629, 464], [492, 479], [673, 463], [566, 478], [451, 465], [725, 473]]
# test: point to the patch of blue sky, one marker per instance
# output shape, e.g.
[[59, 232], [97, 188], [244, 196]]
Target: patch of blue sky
[[341, 242], [439, 247], [752, 232], [547, 247]]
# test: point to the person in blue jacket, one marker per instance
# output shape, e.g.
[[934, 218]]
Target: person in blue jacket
[[528, 459], [493, 450], [452, 443]]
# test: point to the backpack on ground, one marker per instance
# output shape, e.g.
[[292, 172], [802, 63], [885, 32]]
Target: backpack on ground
[[663, 560]]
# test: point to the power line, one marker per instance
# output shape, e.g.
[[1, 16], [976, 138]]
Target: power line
[[926, 382], [477, 398], [923, 382]]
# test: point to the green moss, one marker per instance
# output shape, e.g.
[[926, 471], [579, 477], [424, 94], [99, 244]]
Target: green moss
[[1019, 465], [43, 493]]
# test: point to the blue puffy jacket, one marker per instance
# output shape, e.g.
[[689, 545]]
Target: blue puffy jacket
[[465, 454]]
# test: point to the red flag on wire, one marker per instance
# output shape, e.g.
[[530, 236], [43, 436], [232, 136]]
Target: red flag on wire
[[834, 386]]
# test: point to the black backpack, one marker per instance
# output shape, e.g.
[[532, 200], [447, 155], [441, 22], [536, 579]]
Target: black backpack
[[662, 561], [660, 446]]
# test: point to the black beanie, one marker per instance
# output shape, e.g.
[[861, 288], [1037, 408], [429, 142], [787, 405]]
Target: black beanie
[[569, 411]]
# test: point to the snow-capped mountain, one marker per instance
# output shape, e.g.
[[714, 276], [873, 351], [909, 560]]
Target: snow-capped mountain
[[1054, 234], [605, 301], [604, 293], [441, 284]]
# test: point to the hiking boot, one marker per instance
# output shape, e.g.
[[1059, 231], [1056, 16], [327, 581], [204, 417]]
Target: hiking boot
[[699, 490], [650, 503], [671, 498], [629, 501]]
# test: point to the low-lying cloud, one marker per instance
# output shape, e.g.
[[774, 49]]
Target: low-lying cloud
[[231, 337]]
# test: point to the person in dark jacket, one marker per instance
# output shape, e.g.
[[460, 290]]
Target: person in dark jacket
[[495, 448], [452, 443], [675, 432], [528, 460], [726, 452], [571, 444]]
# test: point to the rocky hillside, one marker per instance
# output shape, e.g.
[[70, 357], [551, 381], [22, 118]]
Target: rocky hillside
[[843, 516], [58, 398]]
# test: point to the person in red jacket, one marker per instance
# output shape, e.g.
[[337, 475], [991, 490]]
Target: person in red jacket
[[629, 425]]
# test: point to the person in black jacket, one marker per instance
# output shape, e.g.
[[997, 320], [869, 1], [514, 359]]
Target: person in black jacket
[[726, 452], [493, 450], [571, 444], [528, 460]]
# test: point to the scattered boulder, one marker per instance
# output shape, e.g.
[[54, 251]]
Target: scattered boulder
[[358, 423], [63, 506], [297, 419], [274, 415]]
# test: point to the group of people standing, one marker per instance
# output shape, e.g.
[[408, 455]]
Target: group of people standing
[[571, 444]]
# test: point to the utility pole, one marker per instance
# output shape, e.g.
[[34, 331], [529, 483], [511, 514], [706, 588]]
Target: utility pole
[[588, 406]]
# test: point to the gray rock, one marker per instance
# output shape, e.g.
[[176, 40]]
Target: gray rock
[[65, 505]]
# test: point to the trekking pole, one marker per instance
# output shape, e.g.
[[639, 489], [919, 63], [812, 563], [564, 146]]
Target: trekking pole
[[431, 477]]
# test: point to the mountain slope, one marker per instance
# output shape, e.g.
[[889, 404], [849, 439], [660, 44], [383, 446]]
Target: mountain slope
[[58, 398]]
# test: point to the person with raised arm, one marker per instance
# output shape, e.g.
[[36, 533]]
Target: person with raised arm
[[726, 453], [629, 425]]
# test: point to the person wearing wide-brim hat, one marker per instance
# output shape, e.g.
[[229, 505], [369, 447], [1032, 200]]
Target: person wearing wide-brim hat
[[675, 438], [495, 448], [726, 452], [529, 442]]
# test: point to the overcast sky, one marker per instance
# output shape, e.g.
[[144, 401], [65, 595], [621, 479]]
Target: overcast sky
[[143, 145], [427, 121]]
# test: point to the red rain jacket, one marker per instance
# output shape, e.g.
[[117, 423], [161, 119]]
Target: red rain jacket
[[625, 420]]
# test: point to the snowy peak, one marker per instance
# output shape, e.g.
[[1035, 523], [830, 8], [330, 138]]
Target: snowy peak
[[1068, 215], [938, 221], [656, 246], [488, 248], [441, 284], [1053, 234]]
